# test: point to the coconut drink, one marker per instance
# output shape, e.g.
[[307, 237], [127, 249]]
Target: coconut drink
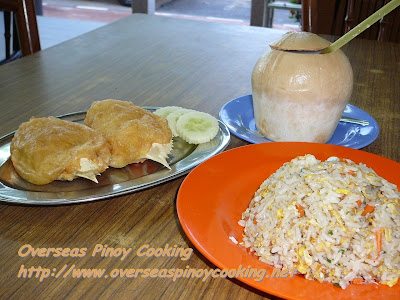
[[298, 93]]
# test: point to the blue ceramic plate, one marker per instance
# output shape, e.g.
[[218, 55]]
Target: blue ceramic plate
[[238, 115]]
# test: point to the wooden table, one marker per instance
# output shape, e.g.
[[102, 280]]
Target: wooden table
[[154, 61]]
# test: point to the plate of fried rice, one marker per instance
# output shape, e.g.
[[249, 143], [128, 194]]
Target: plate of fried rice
[[298, 220]]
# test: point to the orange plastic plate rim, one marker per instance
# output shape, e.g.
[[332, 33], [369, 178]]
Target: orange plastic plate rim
[[213, 196]]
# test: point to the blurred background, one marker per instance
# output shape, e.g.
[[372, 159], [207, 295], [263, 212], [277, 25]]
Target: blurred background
[[61, 20], [228, 11]]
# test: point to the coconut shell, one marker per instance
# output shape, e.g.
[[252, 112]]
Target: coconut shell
[[299, 96], [300, 41]]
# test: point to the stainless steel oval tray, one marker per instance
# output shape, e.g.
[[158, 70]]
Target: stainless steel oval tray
[[113, 182]]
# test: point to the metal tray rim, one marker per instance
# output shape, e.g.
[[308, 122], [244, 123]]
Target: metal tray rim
[[180, 168]]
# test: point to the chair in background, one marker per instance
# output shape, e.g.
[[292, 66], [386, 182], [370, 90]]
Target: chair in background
[[336, 17], [271, 5], [25, 26]]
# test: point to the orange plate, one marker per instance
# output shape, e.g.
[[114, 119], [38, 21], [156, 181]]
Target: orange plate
[[214, 195]]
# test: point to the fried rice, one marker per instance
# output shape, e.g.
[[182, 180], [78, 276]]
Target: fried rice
[[333, 221]]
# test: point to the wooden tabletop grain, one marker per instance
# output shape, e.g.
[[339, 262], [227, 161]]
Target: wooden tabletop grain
[[153, 61]]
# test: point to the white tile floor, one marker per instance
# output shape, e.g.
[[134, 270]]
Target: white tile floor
[[53, 31]]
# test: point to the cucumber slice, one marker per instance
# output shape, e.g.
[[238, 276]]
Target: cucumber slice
[[165, 111], [173, 117], [197, 127]]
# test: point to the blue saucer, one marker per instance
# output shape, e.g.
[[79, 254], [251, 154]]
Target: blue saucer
[[238, 115]]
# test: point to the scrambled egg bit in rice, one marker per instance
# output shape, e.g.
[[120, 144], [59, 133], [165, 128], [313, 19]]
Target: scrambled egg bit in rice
[[334, 221]]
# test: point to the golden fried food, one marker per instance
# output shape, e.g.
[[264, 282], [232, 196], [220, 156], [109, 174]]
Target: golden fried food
[[134, 134], [48, 149]]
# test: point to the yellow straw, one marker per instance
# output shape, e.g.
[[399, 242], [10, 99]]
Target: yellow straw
[[379, 14]]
